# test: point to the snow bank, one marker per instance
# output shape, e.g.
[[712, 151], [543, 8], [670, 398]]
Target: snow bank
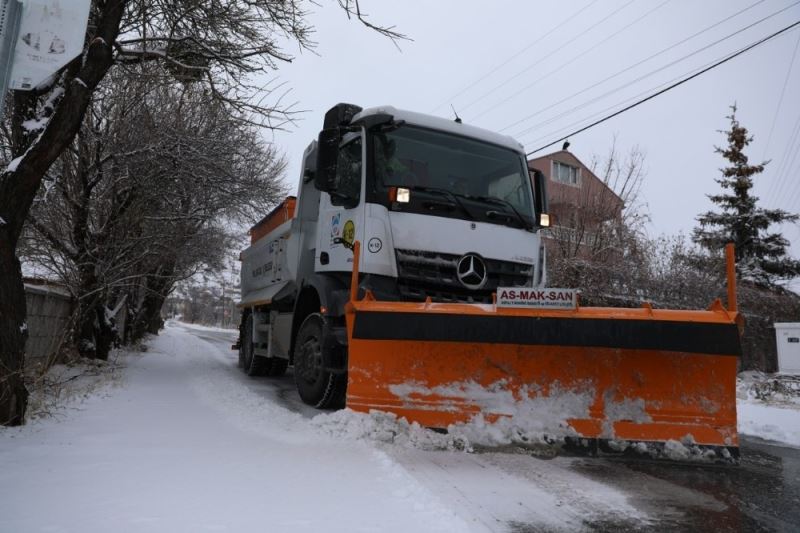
[[770, 422], [776, 389], [381, 427], [65, 386], [768, 407]]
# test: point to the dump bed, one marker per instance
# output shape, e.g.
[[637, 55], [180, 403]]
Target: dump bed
[[268, 264]]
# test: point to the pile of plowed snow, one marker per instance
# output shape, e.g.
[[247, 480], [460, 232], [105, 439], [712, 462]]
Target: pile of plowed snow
[[768, 388], [768, 406], [532, 421]]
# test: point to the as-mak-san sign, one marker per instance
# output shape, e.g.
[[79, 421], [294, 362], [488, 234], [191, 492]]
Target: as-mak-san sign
[[546, 298]]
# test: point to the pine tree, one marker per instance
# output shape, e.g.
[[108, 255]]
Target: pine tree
[[760, 256]]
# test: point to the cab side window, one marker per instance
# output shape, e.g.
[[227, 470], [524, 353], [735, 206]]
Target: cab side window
[[348, 175]]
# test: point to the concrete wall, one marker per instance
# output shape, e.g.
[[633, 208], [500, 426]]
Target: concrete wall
[[49, 312]]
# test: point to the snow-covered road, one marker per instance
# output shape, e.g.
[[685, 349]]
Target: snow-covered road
[[188, 443]]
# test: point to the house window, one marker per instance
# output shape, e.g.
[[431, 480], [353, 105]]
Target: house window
[[563, 173]]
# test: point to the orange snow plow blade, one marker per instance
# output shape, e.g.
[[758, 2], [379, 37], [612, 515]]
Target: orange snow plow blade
[[621, 379]]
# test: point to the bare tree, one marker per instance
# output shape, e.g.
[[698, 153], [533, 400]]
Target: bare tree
[[220, 43], [140, 200], [600, 230]]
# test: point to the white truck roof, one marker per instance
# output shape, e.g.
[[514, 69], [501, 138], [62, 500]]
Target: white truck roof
[[446, 125]]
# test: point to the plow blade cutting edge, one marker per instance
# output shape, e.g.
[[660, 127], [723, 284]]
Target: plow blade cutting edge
[[660, 382]]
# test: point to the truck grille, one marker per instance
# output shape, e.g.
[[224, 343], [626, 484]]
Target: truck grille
[[430, 274]]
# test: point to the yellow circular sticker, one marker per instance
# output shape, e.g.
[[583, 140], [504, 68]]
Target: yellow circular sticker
[[349, 232]]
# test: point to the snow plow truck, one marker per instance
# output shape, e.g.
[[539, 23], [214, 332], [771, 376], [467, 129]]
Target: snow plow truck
[[408, 276]]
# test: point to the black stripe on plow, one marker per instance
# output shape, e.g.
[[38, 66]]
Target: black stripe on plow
[[691, 337]]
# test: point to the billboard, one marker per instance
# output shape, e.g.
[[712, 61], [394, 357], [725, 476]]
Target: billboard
[[51, 34]]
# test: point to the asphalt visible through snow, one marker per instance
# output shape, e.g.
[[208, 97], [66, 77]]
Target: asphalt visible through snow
[[761, 494]]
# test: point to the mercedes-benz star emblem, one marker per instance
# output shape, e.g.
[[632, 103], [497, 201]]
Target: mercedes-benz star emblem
[[471, 271]]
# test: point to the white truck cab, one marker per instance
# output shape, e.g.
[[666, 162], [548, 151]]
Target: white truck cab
[[442, 209]]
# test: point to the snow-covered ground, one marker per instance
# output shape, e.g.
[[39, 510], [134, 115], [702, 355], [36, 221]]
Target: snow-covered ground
[[180, 447], [768, 407], [184, 442], [200, 327]]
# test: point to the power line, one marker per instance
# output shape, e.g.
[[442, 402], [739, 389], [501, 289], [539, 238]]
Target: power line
[[662, 91], [516, 55], [570, 97], [645, 76], [780, 175], [796, 195], [787, 175], [616, 105], [780, 100], [546, 57], [564, 65]]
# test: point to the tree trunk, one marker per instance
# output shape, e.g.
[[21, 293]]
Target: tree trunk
[[85, 333], [148, 316], [13, 334], [154, 322], [105, 333], [18, 187]]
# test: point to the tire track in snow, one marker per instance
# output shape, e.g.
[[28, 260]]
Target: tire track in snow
[[253, 413]]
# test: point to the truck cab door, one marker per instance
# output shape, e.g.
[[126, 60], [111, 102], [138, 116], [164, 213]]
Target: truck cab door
[[342, 210]]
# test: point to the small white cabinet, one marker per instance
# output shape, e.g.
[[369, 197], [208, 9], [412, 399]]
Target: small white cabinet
[[787, 335]]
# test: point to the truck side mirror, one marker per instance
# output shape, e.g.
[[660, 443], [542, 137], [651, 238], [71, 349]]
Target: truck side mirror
[[540, 198], [327, 156]]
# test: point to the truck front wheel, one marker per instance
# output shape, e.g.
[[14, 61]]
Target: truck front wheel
[[315, 385]]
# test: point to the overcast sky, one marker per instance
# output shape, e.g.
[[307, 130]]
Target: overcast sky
[[501, 61]]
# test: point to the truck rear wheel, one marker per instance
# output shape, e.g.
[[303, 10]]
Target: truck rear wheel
[[242, 336], [316, 386], [251, 364]]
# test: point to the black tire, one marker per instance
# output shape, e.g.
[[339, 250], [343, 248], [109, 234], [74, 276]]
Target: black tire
[[316, 386], [252, 364], [242, 337]]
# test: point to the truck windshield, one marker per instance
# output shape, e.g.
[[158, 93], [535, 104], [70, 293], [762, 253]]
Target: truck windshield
[[492, 179]]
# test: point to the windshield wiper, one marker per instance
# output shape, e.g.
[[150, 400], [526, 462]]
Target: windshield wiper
[[444, 192], [506, 203]]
